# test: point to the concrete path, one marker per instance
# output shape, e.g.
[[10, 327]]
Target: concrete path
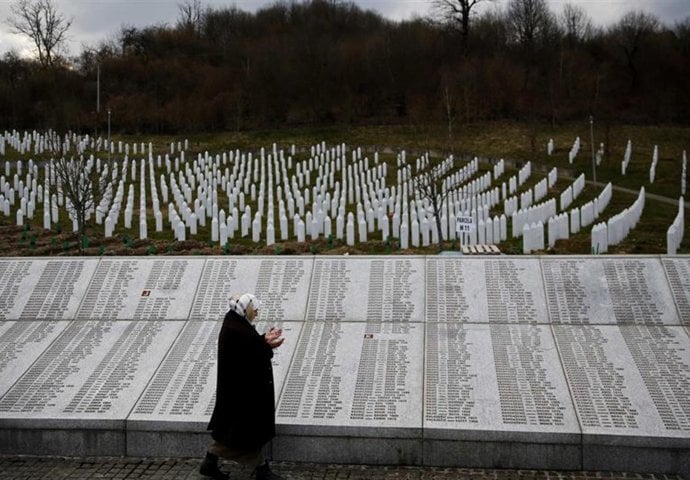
[[44, 468]]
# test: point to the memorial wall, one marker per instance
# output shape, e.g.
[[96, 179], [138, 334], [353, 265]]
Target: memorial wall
[[524, 362]]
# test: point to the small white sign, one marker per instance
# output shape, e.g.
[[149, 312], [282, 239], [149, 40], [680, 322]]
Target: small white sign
[[464, 224]]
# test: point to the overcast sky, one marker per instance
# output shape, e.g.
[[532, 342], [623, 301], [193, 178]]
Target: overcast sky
[[96, 20]]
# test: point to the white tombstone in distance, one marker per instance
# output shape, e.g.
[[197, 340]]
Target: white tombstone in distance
[[159, 221], [192, 224], [223, 234], [214, 229], [414, 233], [327, 227], [425, 232], [143, 233], [350, 228], [181, 232], [270, 234], [301, 234]]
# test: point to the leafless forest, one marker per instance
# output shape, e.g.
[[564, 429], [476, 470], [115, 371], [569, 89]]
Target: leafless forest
[[329, 62]]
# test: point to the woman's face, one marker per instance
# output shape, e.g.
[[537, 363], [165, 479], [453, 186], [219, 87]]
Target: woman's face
[[252, 312]]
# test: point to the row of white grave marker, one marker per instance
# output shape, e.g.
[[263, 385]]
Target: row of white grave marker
[[510, 204], [52, 143], [617, 228], [561, 226], [572, 192], [575, 149], [674, 235]]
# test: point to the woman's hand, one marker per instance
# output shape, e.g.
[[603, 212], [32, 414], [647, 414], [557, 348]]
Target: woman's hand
[[273, 337]]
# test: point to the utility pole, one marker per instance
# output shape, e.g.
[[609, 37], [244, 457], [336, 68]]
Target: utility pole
[[98, 88], [591, 132], [109, 145], [98, 97]]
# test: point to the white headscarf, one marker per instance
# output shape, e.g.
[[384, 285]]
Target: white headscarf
[[240, 304]]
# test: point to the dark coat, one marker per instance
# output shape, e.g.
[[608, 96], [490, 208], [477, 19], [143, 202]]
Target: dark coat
[[244, 414]]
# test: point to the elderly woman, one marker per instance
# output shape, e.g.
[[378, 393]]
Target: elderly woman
[[243, 419]]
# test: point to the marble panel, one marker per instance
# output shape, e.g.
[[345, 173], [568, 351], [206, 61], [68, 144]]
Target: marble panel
[[482, 290], [354, 379], [678, 274], [89, 377], [372, 289], [181, 393], [608, 290], [495, 382], [142, 289], [20, 345], [43, 289], [280, 284], [629, 383]]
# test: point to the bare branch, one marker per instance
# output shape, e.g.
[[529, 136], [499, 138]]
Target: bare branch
[[43, 24], [190, 15], [79, 181], [433, 182], [576, 24], [530, 21], [457, 11]]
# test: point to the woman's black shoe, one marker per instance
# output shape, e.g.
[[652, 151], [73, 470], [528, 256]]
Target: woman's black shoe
[[209, 468], [263, 472]]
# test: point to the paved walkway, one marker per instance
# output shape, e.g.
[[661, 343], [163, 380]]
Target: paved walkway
[[35, 468]]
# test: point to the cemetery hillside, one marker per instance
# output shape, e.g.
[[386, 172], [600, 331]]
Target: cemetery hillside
[[320, 127], [281, 193]]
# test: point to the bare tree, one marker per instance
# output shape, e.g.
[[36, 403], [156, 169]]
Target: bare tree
[[682, 29], [530, 21], [576, 24], [459, 12], [631, 32], [43, 24], [83, 188], [530, 24], [433, 183], [190, 15]]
